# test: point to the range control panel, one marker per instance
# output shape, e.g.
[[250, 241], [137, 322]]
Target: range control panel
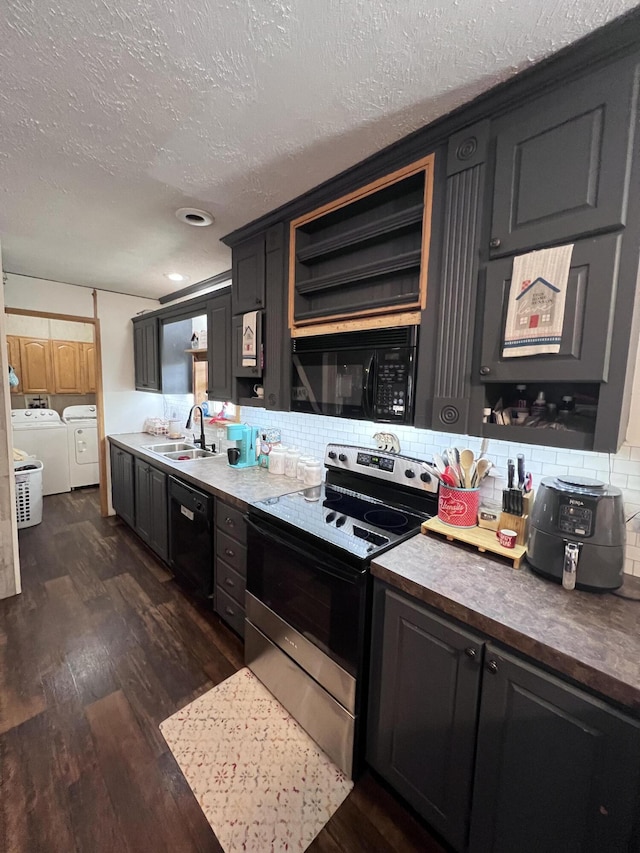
[[388, 467], [576, 516]]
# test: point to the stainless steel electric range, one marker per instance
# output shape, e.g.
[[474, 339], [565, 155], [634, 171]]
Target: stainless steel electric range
[[308, 600]]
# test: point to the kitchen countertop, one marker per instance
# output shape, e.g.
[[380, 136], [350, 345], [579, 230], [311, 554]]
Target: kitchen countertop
[[592, 638], [238, 486]]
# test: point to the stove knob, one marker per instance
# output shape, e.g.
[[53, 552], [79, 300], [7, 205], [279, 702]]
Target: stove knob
[[426, 478], [342, 457], [332, 454], [330, 517], [410, 473], [341, 521]]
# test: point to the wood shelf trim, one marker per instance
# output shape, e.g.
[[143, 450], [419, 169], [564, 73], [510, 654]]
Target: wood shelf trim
[[355, 324], [363, 234], [375, 269]]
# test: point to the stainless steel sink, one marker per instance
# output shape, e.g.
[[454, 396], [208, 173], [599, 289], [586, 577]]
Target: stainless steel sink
[[169, 447], [189, 453]]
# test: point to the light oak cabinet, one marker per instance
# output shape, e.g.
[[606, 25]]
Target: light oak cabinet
[[37, 371], [67, 372], [88, 367], [13, 355]]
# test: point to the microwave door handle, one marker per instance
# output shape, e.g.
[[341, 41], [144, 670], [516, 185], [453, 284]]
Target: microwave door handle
[[367, 390], [305, 381]]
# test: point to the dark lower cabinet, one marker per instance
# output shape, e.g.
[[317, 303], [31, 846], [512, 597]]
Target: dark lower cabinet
[[538, 766], [556, 769], [230, 565], [151, 507], [122, 484], [425, 685]]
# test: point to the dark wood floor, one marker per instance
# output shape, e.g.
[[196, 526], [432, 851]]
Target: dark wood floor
[[100, 648]]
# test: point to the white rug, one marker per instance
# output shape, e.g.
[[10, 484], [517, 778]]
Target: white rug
[[260, 780]]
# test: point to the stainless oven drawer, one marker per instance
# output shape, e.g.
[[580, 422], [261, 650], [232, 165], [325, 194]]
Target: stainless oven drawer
[[324, 719]]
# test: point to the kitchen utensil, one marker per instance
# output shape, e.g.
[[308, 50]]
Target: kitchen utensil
[[458, 507], [482, 469], [577, 532], [453, 476], [528, 483], [447, 479], [439, 462], [520, 458], [466, 464]]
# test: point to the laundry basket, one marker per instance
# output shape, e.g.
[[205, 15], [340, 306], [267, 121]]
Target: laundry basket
[[28, 492]]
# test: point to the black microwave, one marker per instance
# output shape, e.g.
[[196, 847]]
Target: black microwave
[[367, 375]]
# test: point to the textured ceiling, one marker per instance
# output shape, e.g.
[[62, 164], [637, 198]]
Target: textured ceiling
[[114, 113]]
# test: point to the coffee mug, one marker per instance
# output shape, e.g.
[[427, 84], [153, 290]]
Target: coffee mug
[[233, 455], [258, 390], [507, 538]]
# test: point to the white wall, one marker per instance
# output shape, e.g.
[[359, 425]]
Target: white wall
[[124, 408], [9, 554]]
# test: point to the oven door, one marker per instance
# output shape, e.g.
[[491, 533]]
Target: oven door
[[322, 599], [333, 382]]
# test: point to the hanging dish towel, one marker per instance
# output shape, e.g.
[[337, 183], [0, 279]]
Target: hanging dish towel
[[537, 296], [250, 339]]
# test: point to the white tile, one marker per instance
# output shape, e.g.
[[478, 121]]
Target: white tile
[[623, 453], [632, 552], [619, 480], [626, 466], [539, 455], [635, 454], [628, 566]]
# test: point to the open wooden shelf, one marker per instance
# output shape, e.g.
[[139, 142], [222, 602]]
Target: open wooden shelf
[[570, 439]]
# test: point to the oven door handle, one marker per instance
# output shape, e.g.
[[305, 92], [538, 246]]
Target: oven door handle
[[323, 568], [367, 389]]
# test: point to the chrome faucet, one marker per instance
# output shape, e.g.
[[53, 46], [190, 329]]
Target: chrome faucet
[[199, 442]]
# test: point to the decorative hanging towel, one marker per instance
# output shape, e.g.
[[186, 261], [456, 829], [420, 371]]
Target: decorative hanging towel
[[535, 315], [249, 339], [13, 379]]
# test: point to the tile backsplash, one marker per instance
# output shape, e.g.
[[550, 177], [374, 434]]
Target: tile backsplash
[[312, 433]]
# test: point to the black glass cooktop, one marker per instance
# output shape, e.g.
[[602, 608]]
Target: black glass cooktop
[[348, 520]]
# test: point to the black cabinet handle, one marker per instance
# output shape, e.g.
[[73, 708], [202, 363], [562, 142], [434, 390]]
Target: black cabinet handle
[[470, 652], [492, 666], [229, 552], [484, 370], [494, 243], [229, 582], [229, 611], [229, 521]]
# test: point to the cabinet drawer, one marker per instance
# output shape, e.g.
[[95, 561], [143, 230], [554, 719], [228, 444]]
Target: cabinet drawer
[[230, 581], [234, 554], [231, 521], [230, 611]]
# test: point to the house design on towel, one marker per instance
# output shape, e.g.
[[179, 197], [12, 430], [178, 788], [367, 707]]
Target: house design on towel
[[536, 304]]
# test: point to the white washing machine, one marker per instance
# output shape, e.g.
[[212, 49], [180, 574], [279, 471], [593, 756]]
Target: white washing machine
[[82, 435], [41, 433]]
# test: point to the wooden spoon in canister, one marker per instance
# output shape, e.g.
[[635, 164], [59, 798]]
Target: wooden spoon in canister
[[467, 459]]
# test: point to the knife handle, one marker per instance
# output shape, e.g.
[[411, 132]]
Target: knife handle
[[520, 470], [511, 469]]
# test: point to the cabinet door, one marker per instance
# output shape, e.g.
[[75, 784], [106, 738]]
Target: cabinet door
[[88, 360], [248, 272], [556, 769], [219, 347], [143, 500], [159, 528], [562, 162], [426, 673], [35, 358], [586, 335], [146, 354], [67, 371], [122, 484], [13, 355]]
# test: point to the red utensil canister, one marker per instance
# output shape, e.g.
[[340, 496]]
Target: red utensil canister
[[458, 507]]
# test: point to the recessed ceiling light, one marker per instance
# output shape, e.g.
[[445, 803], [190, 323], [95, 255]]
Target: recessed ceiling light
[[193, 216], [176, 276]]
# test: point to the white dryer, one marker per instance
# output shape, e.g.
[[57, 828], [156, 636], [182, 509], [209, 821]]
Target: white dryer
[[41, 433], [82, 435]]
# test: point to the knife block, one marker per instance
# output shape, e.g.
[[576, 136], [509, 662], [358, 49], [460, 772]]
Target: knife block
[[519, 523]]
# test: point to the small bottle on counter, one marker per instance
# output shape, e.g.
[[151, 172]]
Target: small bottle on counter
[[313, 473], [539, 406], [521, 401]]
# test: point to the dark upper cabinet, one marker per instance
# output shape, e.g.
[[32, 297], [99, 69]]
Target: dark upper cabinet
[[219, 338], [248, 275], [556, 769], [146, 354], [424, 695], [122, 484], [563, 162], [588, 320], [152, 507]]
